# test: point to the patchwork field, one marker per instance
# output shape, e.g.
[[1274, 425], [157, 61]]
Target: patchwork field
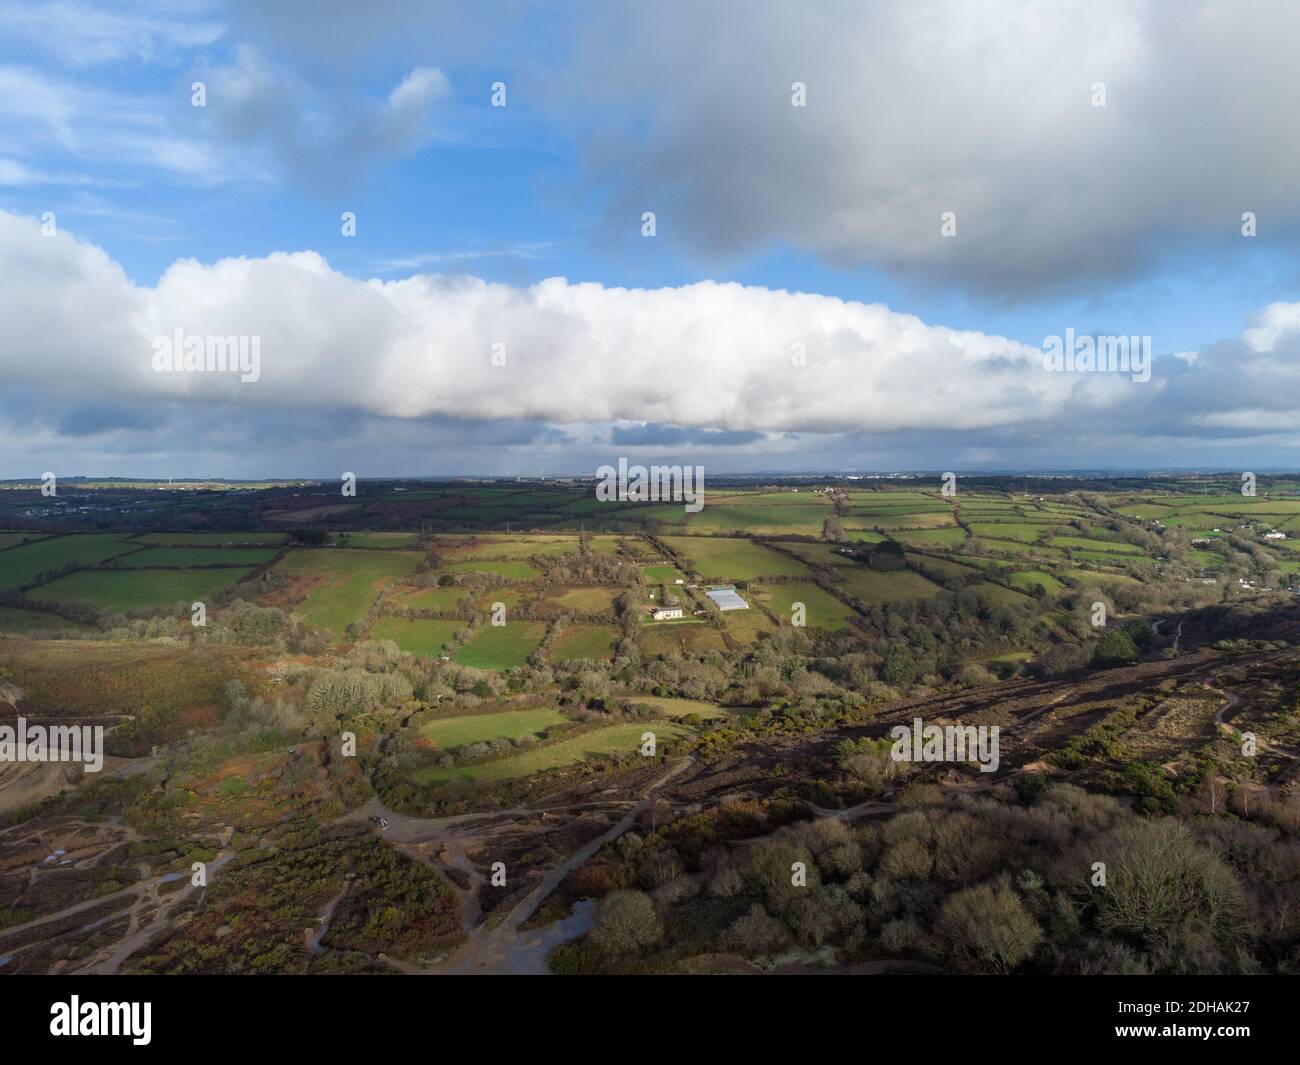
[[798, 518], [511, 571], [127, 590], [680, 637], [15, 619], [22, 565], [1111, 546], [590, 600], [821, 609], [12, 539], [738, 560], [616, 739], [373, 539], [473, 728], [213, 539], [1025, 532], [745, 626], [661, 574], [342, 585], [435, 598], [1028, 579], [671, 707], [417, 636], [584, 641], [180, 557], [931, 537], [501, 647], [521, 547], [873, 587]]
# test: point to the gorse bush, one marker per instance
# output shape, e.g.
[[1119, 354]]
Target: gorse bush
[[336, 692]]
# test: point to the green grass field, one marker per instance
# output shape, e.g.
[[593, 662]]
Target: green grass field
[[605, 545], [127, 590], [868, 536], [214, 539], [512, 598], [509, 724], [22, 565], [373, 539], [944, 567], [661, 574], [873, 587], [435, 598], [689, 637], [16, 619], [739, 560], [745, 626], [821, 554], [931, 537], [341, 585], [616, 739], [1000, 594], [1025, 532], [821, 609], [905, 519], [501, 647], [795, 517], [517, 548], [1028, 579], [198, 556], [511, 571], [589, 600], [417, 636], [1088, 576], [671, 707], [1081, 542], [12, 539], [584, 641]]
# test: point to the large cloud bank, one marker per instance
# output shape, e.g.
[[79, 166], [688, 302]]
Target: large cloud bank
[[706, 355], [710, 355]]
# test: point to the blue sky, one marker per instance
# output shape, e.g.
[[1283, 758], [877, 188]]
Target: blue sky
[[1119, 219]]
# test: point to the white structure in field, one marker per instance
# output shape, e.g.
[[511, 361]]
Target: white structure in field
[[665, 613], [1275, 535], [727, 598]]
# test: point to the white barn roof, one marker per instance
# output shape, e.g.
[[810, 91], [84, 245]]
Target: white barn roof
[[727, 599]]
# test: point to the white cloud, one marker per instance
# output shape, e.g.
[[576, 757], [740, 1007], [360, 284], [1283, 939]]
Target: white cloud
[[707, 354], [1272, 324]]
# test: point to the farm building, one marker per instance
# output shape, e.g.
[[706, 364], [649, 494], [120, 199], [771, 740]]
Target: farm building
[[665, 613], [727, 599]]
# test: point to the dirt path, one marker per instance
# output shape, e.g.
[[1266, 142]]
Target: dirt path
[[312, 936], [505, 947], [1233, 699], [145, 898], [140, 933]]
